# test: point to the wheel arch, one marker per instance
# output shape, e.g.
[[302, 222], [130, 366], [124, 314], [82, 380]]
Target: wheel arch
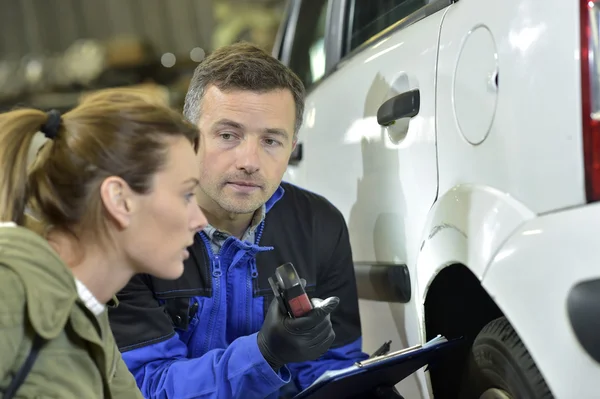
[[456, 306], [464, 230]]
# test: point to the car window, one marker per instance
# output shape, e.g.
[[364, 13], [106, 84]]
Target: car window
[[365, 19], [307, 58]]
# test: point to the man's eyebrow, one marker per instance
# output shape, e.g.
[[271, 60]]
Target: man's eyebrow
[[228, 123], [236, 125], [278, 132]]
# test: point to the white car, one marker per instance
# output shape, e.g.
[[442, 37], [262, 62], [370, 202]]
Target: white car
[[461, 141]]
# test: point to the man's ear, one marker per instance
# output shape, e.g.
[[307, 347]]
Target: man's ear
[[117, 198]]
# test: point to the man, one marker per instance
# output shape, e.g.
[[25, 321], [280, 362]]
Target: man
[[217, 332]]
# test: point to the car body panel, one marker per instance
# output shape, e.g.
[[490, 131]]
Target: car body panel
[[494, 151]]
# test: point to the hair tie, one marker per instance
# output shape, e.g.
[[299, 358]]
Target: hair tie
[[52, 125]]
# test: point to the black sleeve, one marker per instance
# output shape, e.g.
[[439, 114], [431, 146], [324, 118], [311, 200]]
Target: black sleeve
[[139, 319], [335, 276]]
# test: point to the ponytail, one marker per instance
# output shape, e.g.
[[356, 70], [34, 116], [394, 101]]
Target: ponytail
[[114, 132], [17, 129]]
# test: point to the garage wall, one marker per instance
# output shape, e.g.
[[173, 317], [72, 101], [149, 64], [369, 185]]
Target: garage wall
[[42, 26]]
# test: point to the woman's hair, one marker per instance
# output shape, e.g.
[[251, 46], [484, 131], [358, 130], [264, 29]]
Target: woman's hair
[[114, 132]]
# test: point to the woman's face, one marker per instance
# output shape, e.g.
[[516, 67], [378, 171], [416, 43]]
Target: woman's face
[[167, 218]]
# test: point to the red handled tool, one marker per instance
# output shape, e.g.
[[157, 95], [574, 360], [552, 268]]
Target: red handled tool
[[289, 291]]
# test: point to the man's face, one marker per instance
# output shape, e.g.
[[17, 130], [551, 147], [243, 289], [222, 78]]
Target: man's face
[[245, 145]]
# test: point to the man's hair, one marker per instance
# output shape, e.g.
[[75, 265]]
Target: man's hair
[[242, 66]]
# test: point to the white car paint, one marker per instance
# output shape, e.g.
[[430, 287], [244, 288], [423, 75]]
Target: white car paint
[[467, 225], [471, 176], [349, 158], [530, 279], [533, 150]]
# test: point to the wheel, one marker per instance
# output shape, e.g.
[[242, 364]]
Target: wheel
[[502, 368], [495, 393]]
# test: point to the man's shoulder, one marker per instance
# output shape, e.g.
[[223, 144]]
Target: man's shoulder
[[300, 200]]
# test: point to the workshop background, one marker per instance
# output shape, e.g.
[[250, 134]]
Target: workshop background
[[53, 51]]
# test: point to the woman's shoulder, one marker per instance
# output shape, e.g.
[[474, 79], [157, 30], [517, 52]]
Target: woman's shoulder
[[12, 298], [31, 257], [34, 281], [17, 237]]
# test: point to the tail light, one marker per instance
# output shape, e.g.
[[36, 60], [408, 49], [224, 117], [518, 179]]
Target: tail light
[[590, 90]]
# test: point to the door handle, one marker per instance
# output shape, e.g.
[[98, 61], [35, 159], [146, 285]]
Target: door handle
[[404, 105]]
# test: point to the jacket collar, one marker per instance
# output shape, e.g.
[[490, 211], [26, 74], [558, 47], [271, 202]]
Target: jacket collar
[[274, 198], [49, 285]]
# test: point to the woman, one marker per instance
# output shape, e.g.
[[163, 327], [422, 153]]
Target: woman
[[109, 195]]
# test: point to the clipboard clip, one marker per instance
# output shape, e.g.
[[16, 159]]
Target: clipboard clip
[[432, 343], [380, 358]]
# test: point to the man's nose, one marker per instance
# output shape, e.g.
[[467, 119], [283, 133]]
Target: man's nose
[[248, 155], [198, 220]]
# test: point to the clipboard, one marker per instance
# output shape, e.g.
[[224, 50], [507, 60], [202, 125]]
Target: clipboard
[[381, 371]]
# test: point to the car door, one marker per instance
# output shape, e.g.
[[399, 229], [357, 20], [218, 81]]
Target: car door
[[372, 173], [376, 163]]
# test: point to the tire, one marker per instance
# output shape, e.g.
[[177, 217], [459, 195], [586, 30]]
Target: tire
[[501, 366]]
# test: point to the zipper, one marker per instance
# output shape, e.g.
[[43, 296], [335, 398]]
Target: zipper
[[216, 273], [250, 296], [113, 368], [193, 310], [259, 232], [253, 270], [250, 281], [217, 267]]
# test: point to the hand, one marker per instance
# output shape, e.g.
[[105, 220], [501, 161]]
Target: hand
[[284, 340]]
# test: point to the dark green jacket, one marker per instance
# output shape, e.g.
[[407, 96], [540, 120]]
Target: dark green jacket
[[38, 295]]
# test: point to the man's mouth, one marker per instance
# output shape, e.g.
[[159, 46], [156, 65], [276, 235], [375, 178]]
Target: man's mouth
[[244, 183], [244, 186]]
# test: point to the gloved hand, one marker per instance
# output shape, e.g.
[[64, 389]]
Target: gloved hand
[[284, 340]]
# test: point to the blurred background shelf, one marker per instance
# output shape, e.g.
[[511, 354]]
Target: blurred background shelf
[[52, 51]]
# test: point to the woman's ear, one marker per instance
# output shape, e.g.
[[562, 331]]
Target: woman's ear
[[118, 200]]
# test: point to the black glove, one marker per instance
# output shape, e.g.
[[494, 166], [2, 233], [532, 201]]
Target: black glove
[[284, 340]]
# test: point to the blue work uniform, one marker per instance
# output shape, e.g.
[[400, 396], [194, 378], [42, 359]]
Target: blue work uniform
[[195, 337]]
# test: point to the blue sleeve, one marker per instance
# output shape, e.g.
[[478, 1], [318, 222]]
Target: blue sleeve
[[306, 373], [162, 370]]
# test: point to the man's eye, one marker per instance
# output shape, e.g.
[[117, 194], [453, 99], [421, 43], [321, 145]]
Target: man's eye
[[271, 142], [226, 136]]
